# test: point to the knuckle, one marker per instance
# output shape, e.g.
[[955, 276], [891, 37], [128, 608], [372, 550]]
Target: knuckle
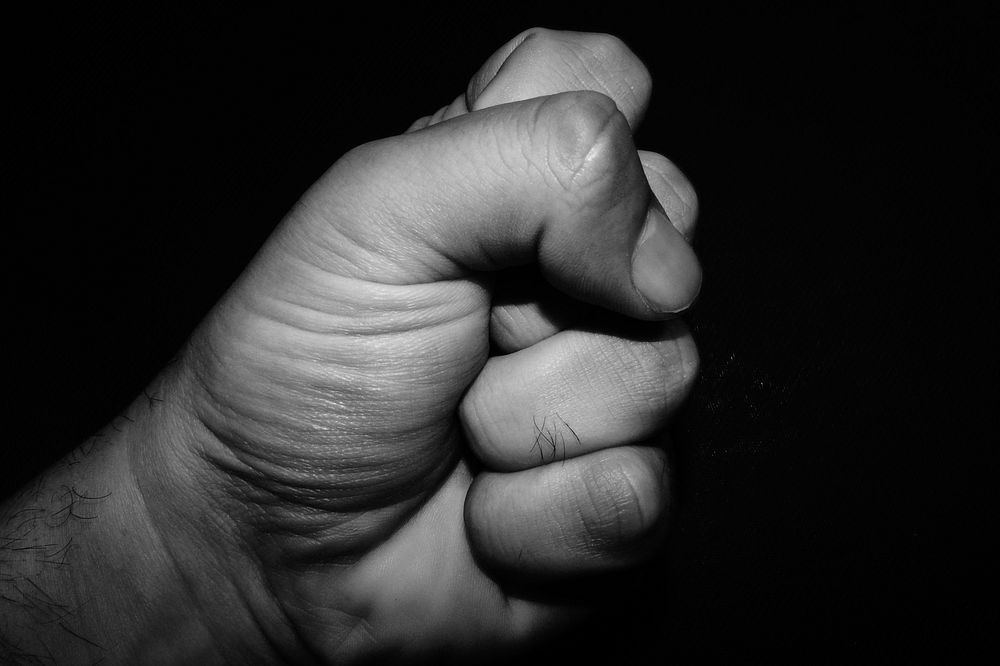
[[607, 55], [623, 499], [586, 137], [600, 60], [655, 374], [653, 370], [670, 367], [616, 69]]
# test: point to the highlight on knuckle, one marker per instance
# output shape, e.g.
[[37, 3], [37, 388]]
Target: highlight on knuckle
[[582, 131]]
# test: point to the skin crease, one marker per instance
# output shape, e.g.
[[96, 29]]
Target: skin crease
[[338, 469]]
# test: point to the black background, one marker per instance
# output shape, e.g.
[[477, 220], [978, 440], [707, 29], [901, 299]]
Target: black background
[[834, 467]]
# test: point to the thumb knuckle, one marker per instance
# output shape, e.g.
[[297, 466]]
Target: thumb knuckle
[[586, 137]]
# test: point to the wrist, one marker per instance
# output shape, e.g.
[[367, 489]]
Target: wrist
[[214, 574], [113, 555]]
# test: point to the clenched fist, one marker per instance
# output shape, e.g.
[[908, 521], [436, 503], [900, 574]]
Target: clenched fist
[[433, 388]]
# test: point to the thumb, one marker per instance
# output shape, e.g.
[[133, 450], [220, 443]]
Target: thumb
[[554, 180]]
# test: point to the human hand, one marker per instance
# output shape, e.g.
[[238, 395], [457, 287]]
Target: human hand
[[337, 462], [346, 376]]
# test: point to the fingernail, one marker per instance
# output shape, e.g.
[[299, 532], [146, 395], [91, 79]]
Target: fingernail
[[664, 268]]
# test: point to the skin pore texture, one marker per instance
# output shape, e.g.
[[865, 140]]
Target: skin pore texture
[[429, 402]]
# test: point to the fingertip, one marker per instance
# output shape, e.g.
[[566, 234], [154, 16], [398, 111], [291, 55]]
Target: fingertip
[[665, 270], [673, 190]]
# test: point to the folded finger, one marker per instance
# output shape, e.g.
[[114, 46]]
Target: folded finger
[[577, 392], [595, 513]]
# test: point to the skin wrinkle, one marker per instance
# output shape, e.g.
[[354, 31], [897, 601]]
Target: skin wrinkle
[[265, 626], [322, 375], [513, 325], [379, 210], [228, 435], [487, 587], [317, 447], [610, 358], [223, 408], [315, 242], [311, 488], [346, 286], [356, 348], [275, 517], [559, 487], [360, 632], [658, 364], [634, 503], [214, 402], [597, 144], [572, 61], [279, 647], [282, 434], [488, 257], [305, 539], [544, 173], [164, 546], [627, 374], [679, 378], [597, 494], [307, 315], [611, 483]]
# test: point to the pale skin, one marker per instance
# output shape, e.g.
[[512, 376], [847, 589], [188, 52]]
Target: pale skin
[[434, 392]]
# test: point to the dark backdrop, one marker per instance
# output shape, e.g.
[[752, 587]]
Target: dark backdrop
[[834, 466]]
